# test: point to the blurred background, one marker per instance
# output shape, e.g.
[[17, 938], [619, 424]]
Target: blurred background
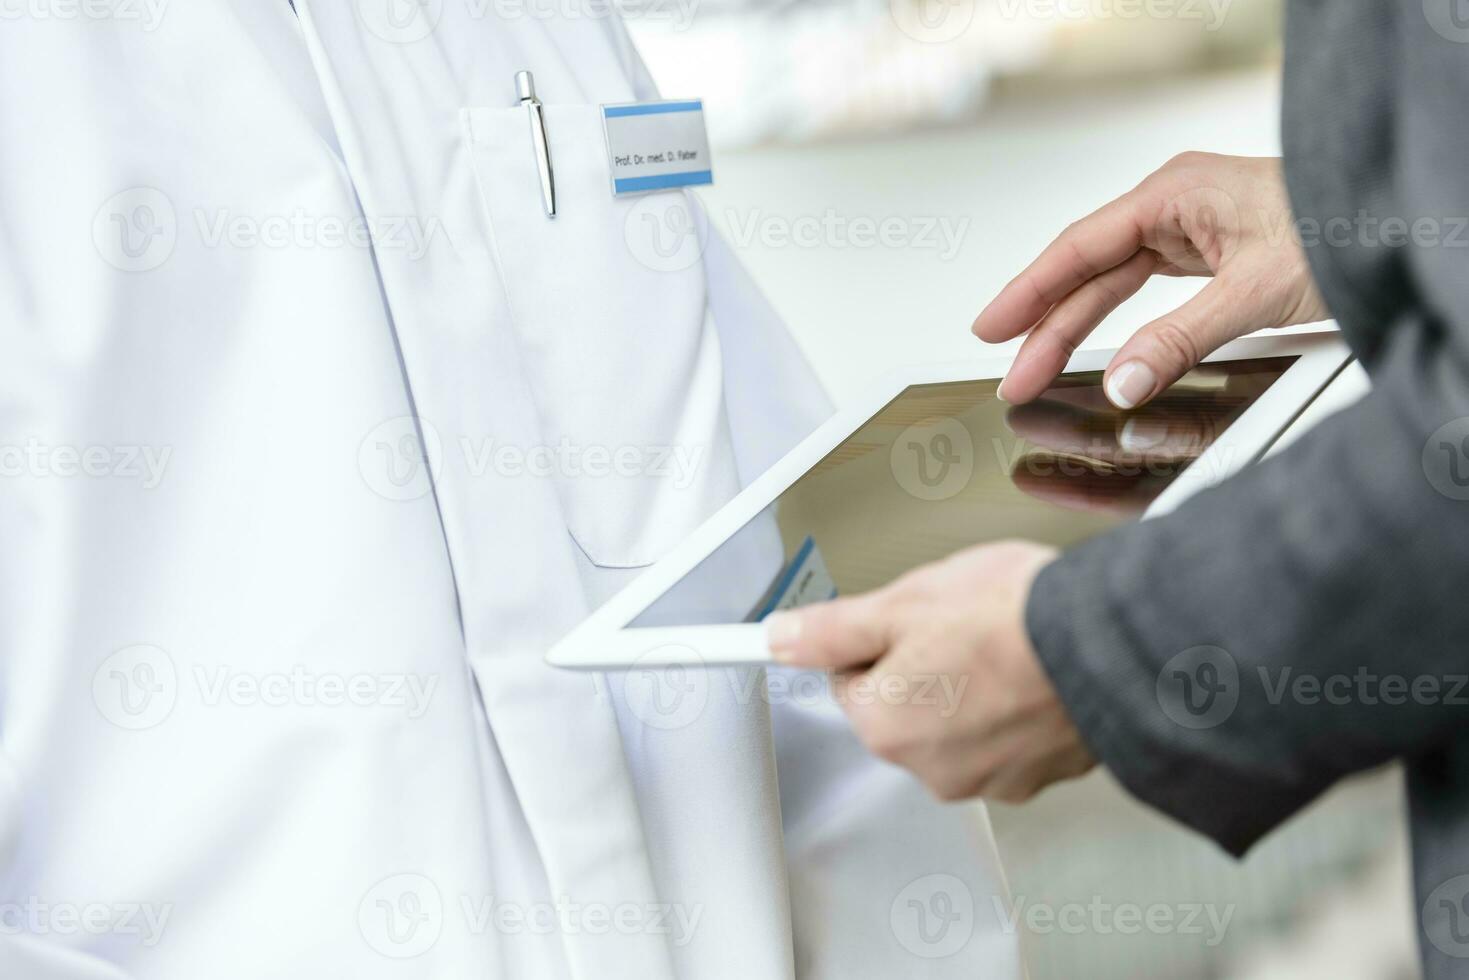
[[884, 167]]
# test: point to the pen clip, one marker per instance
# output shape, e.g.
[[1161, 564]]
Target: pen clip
[[525, 91]]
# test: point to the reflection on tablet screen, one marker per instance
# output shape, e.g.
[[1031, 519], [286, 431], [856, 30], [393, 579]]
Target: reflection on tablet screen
[[945, 466]]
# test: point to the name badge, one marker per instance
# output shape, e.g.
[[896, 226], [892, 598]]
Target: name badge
[[652, 146]]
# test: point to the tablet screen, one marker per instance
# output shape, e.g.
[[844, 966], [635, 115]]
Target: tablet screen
[[945, 466]]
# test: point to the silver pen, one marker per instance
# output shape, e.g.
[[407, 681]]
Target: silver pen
[[525, 90]]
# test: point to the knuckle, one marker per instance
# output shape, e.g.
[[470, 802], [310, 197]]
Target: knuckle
[[1188, 160], [1012, 547], [1022, 793], [1176, 344], [838, 618], [1032, 286], [886, 749], [1110, 293], [882, 738], [949, 789], [1013, 552], [1060, 344], [1256, 292], [877, 735], [1082, 267], [908, 590]]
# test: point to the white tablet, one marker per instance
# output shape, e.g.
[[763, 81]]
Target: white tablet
[[930, 462]]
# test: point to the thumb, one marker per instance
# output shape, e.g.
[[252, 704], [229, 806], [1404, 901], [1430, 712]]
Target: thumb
[[1168, 348], [837, 635]]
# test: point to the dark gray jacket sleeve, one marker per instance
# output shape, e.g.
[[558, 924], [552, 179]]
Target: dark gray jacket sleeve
[[1305, 620]]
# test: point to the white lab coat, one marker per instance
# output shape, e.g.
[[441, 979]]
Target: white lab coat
[[272, 700]]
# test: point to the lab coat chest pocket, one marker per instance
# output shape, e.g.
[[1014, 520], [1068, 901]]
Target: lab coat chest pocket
[[609, 306]]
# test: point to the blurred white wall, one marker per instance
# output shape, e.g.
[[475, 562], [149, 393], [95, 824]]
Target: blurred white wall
[[971, 206], [798, 70]]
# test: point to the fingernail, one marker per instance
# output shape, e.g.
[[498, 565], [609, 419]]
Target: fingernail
[[1130, 384], [782, 630], [1140, 435], [1000, 391]]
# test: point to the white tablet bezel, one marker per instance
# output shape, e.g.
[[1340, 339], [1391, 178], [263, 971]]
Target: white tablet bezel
[[602, 642]]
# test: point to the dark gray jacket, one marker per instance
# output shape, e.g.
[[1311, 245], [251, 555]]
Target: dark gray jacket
[[1310, 618]]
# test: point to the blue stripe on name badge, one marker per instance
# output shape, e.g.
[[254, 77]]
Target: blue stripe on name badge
[[657, 182], [783, 585], [652, 108]]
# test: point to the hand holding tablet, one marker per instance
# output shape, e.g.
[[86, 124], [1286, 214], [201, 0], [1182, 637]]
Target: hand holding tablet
[[1157, 427], [931, 462], [960, 621]]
